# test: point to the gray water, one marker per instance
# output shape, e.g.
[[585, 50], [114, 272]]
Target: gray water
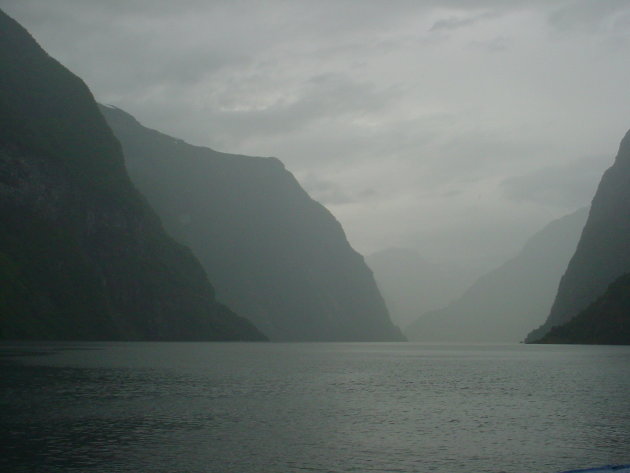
[[313, 407]]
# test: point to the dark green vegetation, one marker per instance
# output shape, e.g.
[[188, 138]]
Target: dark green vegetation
[[275, 255], [504, 304], [82, 255], [605, 321], [603, 252]]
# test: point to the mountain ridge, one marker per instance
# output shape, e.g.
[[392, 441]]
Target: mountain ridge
[[412, 284], [603, 252], [503, 304], [606, 321], [82, 256], [273, 253]]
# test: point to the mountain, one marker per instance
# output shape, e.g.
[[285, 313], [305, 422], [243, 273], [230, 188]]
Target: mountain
[[412, 285], [505, 303], [603, 252], [605, 321], [82, 255], [274, 255]]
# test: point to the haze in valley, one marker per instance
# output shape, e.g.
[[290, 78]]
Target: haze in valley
[[455, 129]]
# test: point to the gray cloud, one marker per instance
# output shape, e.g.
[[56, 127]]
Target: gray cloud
[[326, 192], [566, 185], [586, 15], [453, 23], [418, 123], [322, 97], [457, 22], [499, 44]]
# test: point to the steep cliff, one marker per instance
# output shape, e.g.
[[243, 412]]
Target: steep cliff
[[504, 304], [275, 255], [603, 252], [605, 322], [82, 256]]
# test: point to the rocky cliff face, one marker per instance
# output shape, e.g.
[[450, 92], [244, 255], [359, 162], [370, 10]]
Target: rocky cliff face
[[82, 256], [605, 322], [603, 252], [274, 255], [504, 304]]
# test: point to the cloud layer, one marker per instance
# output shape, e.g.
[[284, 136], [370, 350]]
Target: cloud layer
[[457, 128]]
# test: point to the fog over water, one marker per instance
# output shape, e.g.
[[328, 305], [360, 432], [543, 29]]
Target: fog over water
[[455, 128]]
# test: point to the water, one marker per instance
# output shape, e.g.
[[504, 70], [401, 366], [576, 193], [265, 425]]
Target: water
[[318, 407]]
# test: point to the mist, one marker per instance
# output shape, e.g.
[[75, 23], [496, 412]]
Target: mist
[[191, 193], [456, 129], [502, 304]]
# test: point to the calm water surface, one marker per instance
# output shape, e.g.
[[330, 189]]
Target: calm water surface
[[314, 407]]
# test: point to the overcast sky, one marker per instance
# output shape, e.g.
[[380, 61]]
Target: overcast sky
[[457, 128]]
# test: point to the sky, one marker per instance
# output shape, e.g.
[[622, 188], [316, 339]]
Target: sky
[[457, 128]]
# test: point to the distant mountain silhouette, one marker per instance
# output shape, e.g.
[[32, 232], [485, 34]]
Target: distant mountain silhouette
[[504, 304], [412, 285], [603, 252], [274, 255], [82, 256]]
